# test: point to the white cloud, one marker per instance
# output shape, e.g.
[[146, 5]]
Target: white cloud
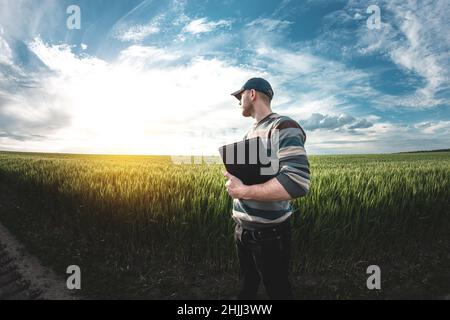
[[144, 56], [382, 137], [151, 97], [304, 105], [202, 25], [118, 108], [434, 127], [415, 55], [60, 58], [415, 38], [306, 84], [5, 50], [286, 61], [138, 32], [328, 122], [138, 104]]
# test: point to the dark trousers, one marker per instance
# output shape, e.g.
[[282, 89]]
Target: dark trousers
[[264, 255]]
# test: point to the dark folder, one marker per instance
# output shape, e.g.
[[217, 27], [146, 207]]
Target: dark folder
[[248, 160]]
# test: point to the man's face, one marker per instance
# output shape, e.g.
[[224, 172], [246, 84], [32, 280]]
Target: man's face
[[246, 104]]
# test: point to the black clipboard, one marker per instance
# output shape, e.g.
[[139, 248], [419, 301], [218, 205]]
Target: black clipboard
[[245, 160]]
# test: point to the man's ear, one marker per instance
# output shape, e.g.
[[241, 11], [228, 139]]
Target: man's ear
[[253, 94]]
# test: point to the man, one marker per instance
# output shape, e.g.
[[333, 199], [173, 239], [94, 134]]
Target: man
[[262, 211]]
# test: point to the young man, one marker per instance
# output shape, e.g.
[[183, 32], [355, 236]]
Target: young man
[[262, 211]]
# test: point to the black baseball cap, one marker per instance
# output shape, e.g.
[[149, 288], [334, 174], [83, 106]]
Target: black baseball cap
[[259, 84]]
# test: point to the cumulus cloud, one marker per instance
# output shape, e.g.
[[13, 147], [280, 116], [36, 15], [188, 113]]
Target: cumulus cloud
[[434, 127], [132, 105], [382, 137], [329, 122], [361, 124]]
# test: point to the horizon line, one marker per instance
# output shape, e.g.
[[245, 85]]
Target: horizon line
[[206, 155]]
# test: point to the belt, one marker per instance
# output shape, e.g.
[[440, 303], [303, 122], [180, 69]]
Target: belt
[[268, 232]]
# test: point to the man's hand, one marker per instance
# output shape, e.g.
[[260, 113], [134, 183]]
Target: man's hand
[[236, 189]]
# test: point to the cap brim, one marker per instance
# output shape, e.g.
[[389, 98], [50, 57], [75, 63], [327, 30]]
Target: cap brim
[[238, 94]]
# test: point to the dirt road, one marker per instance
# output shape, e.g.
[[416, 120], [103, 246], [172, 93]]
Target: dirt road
[[22, 277]]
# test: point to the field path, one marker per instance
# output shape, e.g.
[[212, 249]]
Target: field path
[[22, 277]]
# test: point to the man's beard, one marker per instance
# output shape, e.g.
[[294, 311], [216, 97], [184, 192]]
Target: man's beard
[[247, 112]]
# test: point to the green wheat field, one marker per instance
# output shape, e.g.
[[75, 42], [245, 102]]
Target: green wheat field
[[143, 227]]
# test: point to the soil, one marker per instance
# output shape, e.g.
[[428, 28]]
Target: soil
[[22, 276]]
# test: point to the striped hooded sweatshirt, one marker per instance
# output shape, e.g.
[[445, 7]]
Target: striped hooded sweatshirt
[[293, 175]]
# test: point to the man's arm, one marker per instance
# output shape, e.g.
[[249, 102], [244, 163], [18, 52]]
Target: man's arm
[[294, 174], [293, 180], [271, 190]]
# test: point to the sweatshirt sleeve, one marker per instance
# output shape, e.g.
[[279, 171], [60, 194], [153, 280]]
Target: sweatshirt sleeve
[[294, 173]]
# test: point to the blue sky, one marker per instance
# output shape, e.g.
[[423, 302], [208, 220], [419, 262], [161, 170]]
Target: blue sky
[[155, 77]]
